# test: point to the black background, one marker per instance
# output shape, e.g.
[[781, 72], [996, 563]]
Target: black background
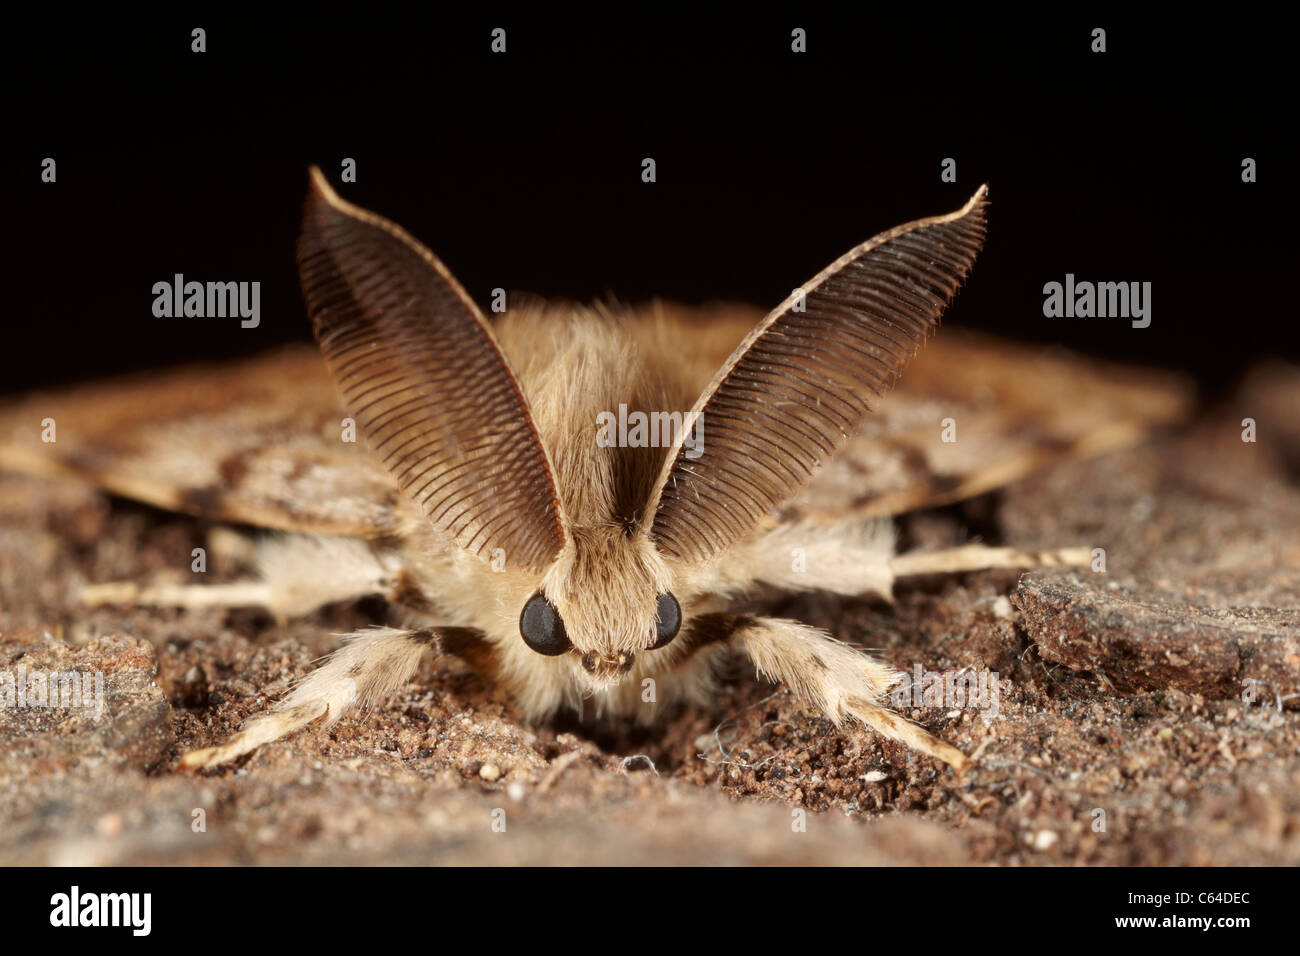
[[523, 170]]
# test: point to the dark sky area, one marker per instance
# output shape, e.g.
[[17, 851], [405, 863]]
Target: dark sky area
[[522, 170]]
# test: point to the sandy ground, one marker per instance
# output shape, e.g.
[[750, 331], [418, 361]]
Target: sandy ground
[[1146, 715]]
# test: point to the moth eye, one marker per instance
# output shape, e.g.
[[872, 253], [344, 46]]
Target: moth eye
[[542, 628], [670, 620]]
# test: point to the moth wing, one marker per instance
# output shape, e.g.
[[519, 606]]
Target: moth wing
[[1009, 409], [259, 442]]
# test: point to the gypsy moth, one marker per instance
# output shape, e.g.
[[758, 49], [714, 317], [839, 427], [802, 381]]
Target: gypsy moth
[[484, 504]]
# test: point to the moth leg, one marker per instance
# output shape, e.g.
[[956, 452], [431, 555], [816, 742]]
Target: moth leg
[[978, 557], [297, 573], [370, 666], [841, 681], [238, 594], [844, 558], [856, 557]]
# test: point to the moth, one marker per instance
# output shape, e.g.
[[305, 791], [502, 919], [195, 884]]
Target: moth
[[504, 517]]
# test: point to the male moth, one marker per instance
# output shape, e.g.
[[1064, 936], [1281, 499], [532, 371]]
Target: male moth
[[574, 498]]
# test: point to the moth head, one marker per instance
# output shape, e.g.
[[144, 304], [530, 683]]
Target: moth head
[[422, 373], [607, 602]]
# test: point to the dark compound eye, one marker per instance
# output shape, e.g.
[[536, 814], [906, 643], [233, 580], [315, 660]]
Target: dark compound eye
[[542, 628], [670, 620]]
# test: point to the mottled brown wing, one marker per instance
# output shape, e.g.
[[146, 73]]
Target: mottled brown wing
[[1014, 409], [260, 442], [805, 379], [427, 382]]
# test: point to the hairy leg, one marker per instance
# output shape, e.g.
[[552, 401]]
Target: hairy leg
[[370, 666], [845, 558], [979, 557], [296, 573], [856, 557], [841, 681]]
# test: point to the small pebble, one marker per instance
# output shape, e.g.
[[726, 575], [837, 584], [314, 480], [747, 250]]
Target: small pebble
[[489, 772]]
